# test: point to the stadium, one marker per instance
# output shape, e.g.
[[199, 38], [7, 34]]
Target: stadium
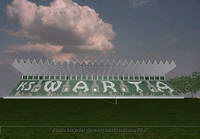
[[93, 79], [97, 99], [73, 69]]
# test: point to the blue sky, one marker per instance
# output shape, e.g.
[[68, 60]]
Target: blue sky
[[144, 29]]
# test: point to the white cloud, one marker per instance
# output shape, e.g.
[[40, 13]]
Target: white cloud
[[50, 51], [61, 57], [139, 3], [77, 28], [45, 48]]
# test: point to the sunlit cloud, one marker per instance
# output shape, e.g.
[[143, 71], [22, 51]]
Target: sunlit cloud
[[76, 28]]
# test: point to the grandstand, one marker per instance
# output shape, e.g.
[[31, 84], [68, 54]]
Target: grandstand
[[93, 79]]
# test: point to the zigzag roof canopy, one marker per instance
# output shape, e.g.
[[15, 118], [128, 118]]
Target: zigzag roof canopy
[[100, 67]]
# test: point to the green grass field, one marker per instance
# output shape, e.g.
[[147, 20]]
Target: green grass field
[[149, 119]]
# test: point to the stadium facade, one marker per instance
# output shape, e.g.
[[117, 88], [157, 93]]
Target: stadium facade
[[93, 79]]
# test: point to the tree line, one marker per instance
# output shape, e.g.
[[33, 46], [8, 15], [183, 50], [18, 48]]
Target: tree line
[[187, 84]]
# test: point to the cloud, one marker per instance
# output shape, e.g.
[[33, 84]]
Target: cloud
[[48, 50], [78, 29], [61, 57], [19, 34], [45, 48], [139, 3]]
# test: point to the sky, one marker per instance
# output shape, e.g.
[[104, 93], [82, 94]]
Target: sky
[[64, 30]]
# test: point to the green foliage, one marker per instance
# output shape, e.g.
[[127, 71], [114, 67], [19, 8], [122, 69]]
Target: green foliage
[[187, 84]]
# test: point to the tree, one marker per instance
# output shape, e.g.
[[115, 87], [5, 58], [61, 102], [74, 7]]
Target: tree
[[187, 84], [195, 82]]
